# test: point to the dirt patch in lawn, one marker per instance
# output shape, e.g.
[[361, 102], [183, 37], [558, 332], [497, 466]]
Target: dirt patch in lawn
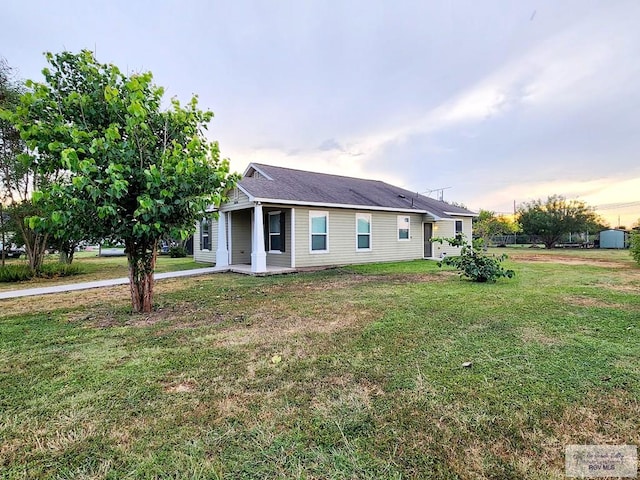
[[570, 261]]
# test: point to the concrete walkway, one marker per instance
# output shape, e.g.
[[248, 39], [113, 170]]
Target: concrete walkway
[[29, 292]]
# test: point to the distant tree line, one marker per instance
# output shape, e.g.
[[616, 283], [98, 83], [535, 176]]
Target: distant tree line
[[551, 221]]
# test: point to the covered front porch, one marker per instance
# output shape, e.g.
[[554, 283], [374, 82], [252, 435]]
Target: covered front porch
[[256, 240]]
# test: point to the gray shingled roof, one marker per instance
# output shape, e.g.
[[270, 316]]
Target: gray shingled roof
[[309, 187]]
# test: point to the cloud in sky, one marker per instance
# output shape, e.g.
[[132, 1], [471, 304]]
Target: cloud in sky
[[501, 101]]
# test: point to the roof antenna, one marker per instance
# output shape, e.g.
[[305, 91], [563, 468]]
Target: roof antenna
[[439, 192]]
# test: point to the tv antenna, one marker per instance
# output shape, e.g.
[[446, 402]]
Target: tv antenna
[[439, 192]]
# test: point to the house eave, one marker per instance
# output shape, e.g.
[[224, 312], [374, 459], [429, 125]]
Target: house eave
[[340, 205], [302, 203], [456, 214]]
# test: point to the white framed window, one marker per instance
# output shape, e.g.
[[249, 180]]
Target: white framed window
[[318, 231], [274, 235], [458, 226], [404, 227], [205, 234], [363, 231]]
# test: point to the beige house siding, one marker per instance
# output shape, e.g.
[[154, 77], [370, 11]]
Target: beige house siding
[[206, 256], [385, 245], [447, 229], [280, 259], [238, 200], [240, 237], [342, 237]]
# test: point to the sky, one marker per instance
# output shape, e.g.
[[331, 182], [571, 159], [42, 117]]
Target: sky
[[494, 102]]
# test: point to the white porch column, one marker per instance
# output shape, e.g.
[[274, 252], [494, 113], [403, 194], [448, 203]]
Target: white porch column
[[258, 255], [222, 253]]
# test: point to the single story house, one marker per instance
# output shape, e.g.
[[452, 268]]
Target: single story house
[[281, 217]]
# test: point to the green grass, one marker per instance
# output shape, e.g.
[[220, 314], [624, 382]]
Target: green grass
[[94, 268], [370, 382]]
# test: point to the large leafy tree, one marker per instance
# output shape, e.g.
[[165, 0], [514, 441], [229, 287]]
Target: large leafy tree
[[17, 178], [487, 224], [555, 217], [127, 169]]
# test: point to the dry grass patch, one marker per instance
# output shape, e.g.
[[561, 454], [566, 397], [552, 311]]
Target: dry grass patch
[[534, 335], [573, 261], [347, 279], [181, 387], [88, 299], [610, 418], [626, 281], [269, 327], [590, 302], [601, 419], [336, 393]]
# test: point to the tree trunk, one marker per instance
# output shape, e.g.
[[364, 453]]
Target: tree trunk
[[35, 245], [142, 263], [67, 249], [485, 243]]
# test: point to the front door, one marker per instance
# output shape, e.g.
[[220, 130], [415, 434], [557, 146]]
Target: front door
[[428, 234]]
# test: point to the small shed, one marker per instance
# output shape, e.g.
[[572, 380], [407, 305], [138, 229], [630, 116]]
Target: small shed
[[614, 238]]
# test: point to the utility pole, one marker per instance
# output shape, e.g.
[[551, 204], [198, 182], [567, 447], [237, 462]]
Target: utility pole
[[515, 234]]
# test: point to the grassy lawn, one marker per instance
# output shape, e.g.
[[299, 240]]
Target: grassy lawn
[[347, 373], [99, 268]]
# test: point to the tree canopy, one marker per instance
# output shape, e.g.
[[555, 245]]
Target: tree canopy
[[17, 178], [487, 224], [126, 169], [549, 220]]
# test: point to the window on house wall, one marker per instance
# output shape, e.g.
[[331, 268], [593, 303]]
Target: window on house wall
[[205, 234], [458, 226], [363, 231], [319, 228], [275, 233], [404, 227]]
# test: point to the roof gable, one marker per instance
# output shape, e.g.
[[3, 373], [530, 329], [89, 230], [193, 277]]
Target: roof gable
[[266, 182]]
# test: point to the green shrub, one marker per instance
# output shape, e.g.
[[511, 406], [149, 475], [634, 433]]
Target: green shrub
[[474, 264], [634, 246], [21, 272], [177, 252], [15, 273], [52, 270]]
